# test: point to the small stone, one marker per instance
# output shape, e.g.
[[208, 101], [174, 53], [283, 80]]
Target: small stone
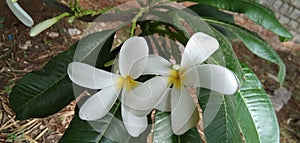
[[102, 24], [280, 98], [283, 93], [26, 45], [73, 31], [277, 103], [53, 34]]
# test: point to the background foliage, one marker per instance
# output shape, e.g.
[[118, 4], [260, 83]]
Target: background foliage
[[249, 112]]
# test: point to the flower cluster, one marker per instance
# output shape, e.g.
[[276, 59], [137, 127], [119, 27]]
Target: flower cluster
[[167, 91]]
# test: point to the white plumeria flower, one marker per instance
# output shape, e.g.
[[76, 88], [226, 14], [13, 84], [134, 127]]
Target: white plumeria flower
[[19, 12], [190, 73], [132, 61]]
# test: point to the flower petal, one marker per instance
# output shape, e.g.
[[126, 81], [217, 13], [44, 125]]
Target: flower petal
[[134, 111], [184, 114], [98, 105], [139, 113], [134, 125], [165, 104], [212, 108], [90, 77], [157, 65], [147, 95], [198, 49], [133, 57], [213, 77]]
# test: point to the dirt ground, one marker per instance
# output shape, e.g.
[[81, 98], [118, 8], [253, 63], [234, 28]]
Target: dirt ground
[[15, 61]]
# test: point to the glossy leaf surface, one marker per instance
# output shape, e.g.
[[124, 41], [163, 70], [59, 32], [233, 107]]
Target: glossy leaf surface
[[107, 129], [254, 111], [163, 133], [255, 44], [255, 11], [223, 127], [45, 92]]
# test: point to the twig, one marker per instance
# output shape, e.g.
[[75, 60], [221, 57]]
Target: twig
[[28, 138], [201, 130], [41, 134], [200, 111], [30, 123], [7, 125], [10, 67], [34, 127]]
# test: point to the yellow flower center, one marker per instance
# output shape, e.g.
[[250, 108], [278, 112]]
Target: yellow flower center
[[127, 82], [174, 77]]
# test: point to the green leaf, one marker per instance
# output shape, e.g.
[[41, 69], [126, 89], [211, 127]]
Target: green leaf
[[254, 11], [106, 54], [227, 54], [210, 11], [162, 128], [108, 129], [45, 92], [223, 126], [255, 112], [196, 24], [213, 13], [255, 44], [20, 13], [184, 21], [191, 136], [163, 133], [37, 29]]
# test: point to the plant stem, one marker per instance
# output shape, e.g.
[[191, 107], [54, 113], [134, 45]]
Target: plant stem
[[135, 19], [200, 128]]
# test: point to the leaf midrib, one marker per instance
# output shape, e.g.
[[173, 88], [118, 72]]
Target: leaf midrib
[[110, 120], [244, 102], [43, 91]]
